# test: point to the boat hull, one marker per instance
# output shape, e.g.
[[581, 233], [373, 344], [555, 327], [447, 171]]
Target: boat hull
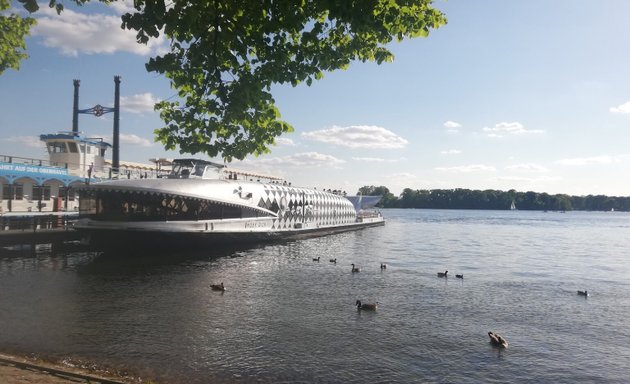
[[129, 238]]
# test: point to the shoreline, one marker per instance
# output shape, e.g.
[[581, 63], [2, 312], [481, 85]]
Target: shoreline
[[20, 369]]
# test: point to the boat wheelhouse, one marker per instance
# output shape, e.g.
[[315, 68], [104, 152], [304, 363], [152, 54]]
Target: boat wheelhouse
[[204, 202]]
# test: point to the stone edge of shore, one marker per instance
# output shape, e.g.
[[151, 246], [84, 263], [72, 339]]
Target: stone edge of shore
[[39, 374]]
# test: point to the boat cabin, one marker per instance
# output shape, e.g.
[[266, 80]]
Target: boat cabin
[[195, 169]]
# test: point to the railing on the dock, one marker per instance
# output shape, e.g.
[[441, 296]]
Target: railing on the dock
[[131, 171], [34, 223]]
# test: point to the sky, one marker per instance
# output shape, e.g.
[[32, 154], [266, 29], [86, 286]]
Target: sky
[[531, 95]]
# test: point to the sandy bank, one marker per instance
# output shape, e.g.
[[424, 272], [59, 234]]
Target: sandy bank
[[26, 370]]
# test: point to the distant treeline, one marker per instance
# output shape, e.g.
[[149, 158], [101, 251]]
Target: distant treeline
[[492, 199]]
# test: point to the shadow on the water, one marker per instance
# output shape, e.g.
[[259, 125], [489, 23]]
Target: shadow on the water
[[134, 260]]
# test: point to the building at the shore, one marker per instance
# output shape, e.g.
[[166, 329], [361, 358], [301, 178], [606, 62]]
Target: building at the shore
[[32, 185]]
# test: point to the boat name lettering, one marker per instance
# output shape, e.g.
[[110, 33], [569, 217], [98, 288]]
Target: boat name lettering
[[255, 224]]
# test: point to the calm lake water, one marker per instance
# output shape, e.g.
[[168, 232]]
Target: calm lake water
[[285, 318]]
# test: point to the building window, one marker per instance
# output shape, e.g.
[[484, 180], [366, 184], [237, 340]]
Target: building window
[[37, 192], [6, 192], [18, 191], [57, 147], [66, 193], [73, 147], [41, 192]]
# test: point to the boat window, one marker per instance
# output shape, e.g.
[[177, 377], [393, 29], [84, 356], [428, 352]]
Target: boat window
[[181, 170], [117, 206], [199, 170], [73, 147]]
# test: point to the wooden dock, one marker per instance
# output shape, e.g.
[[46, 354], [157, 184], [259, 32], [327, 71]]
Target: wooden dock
[[37, 229]]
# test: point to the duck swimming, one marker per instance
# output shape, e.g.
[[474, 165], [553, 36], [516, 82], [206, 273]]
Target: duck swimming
[[355, 269], [217, 287], [383, 266], [583, 293], [497, 340], [366, 307], [333, 261], [317, 259], [460, 276], [442, 274]]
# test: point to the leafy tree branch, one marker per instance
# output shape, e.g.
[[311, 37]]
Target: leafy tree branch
[[225, 55]]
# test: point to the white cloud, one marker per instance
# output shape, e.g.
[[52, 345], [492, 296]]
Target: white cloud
[[301, 160], [358, 136], [140, 103], [528, 167], [29, 141], [130, 139], [452, 126], [467, 168], [451, 152], [121, 7], [529, 179], [623, 108], [285, 142], [402, 175], [73, 33], [595, 160], [373, 160], [514, 128], [369, 159]]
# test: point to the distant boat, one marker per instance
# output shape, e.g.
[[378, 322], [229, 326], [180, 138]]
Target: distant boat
[[612, 209], [513, 206]]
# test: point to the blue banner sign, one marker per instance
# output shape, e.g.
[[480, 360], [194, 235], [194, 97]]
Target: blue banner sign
[[32, 169]]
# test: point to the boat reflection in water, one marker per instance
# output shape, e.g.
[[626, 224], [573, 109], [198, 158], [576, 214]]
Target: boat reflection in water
[[204, 203]]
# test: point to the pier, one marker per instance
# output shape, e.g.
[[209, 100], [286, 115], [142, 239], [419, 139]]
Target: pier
[[37, 228]]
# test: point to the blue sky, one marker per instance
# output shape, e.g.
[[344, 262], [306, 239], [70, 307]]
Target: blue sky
[[527, 95]]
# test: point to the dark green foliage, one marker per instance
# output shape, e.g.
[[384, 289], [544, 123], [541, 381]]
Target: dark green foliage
[[13, 29], [387, 198]]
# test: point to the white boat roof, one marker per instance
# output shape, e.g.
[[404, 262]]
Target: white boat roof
[[167, 162]]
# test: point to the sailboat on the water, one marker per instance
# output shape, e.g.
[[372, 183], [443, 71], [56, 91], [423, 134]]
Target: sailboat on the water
[[513, 206]]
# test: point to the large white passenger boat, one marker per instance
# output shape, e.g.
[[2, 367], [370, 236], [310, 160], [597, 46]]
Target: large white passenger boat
[[201, 202]]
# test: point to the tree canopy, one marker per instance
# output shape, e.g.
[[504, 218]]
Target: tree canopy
[[13, 30], [225, 55]]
